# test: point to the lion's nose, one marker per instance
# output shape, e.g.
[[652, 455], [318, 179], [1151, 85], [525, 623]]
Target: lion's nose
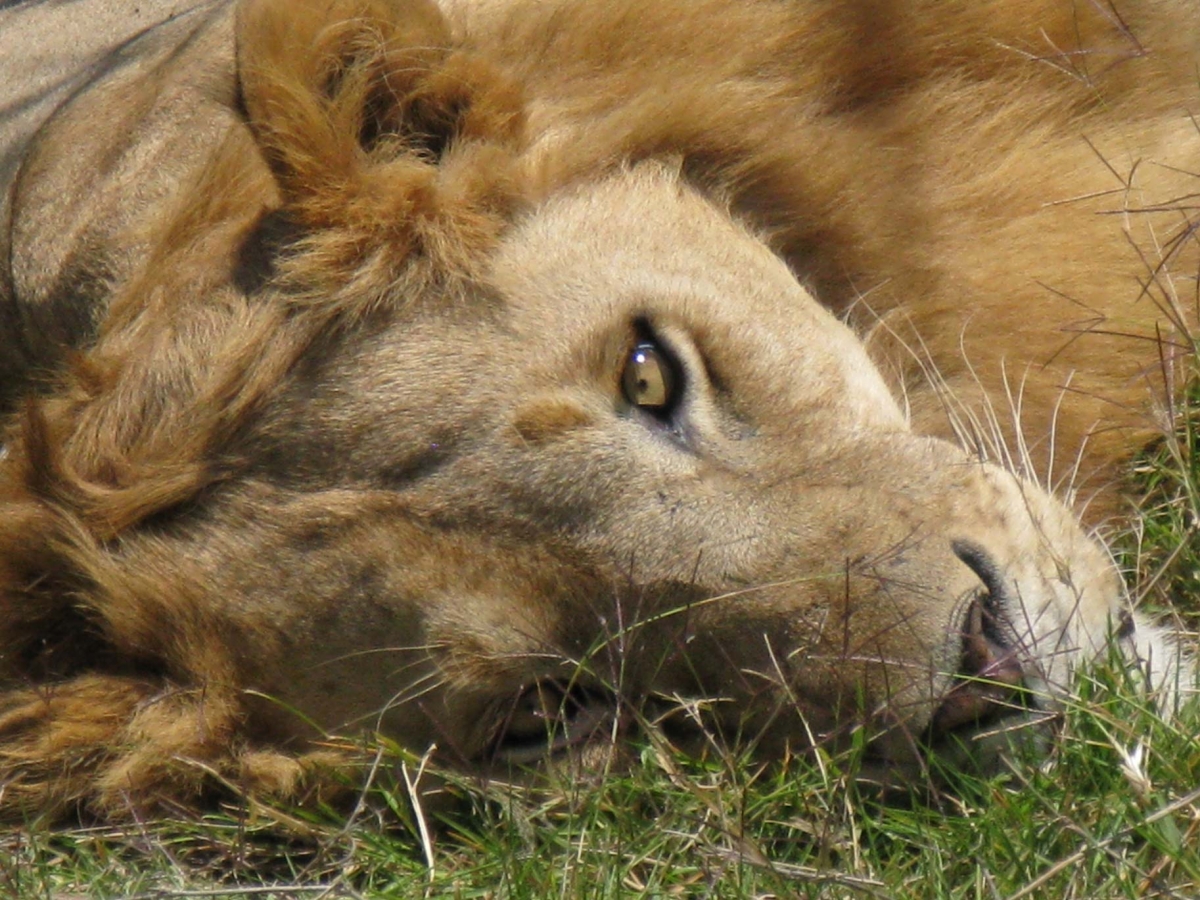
[[989, 677]]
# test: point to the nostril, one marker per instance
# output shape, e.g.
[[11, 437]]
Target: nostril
[[981, 563], [989, 605]]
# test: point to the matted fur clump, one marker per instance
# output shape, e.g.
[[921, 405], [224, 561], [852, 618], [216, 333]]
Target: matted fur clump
[[500, 376]]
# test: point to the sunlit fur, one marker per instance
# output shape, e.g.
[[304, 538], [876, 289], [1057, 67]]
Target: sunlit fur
[[313, 334]]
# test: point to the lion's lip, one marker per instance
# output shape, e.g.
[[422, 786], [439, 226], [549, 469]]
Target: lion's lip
[[547, 718]]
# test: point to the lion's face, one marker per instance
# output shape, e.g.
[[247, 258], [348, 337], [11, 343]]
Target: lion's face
[[404, 411], [637, 461]]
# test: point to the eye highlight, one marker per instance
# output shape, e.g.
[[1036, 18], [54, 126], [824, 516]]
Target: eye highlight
[[651, 378]]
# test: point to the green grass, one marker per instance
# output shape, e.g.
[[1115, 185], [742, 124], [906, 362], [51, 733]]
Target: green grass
[[1163, 550], [1096, 818], [1112, 810]]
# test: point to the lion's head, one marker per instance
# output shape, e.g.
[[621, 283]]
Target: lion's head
[[409, 422]]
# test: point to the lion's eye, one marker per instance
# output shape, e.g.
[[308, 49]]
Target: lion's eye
[[651, 378]]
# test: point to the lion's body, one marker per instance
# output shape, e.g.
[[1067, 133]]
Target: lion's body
[[325, 324]]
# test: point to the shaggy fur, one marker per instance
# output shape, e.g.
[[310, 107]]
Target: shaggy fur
[[315, 323]]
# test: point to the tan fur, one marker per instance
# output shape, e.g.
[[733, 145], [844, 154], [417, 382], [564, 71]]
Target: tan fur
[[320, 422]]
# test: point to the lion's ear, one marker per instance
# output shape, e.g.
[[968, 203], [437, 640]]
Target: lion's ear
[[371, 118]]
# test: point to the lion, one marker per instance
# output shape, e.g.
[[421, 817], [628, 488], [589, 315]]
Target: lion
[[506, 378]]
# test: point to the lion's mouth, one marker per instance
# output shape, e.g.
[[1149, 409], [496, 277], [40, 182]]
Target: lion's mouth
[[549, 717]]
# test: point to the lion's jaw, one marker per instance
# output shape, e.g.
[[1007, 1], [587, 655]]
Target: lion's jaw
[[775, 553]]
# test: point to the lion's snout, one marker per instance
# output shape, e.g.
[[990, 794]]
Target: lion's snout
[[984, 597]]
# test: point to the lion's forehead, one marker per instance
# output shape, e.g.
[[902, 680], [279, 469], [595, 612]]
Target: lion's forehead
[[641, 245]]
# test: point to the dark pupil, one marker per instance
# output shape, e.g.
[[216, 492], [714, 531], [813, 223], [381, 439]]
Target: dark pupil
[[648, 378]]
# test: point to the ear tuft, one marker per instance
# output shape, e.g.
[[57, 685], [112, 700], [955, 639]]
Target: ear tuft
[[364, 110]]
